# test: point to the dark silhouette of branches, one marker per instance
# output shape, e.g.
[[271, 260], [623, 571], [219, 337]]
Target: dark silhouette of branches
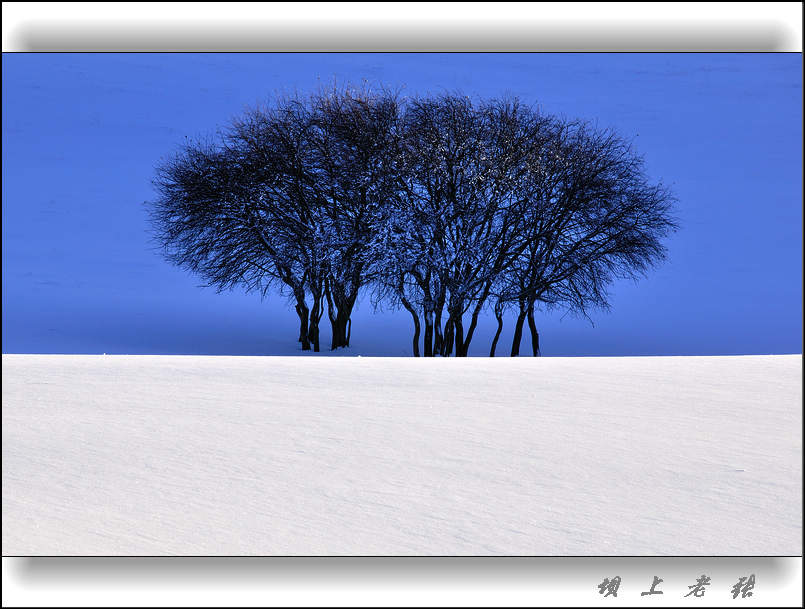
[[592, 217], [445, 206]]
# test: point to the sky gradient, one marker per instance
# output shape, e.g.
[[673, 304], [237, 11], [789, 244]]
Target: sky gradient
[[83, 132]]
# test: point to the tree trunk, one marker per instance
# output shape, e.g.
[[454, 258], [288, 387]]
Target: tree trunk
[[499, 317], [428, 337], [428, 330], [315, 317], [471, 330], [345, 311], [331, 312], [447, 343], [534, 334], [412, 311], [339, 310], [313, 331], [461, 348], [302, 324], [474, 319], [302, 311], [438, 337], [340, 330], [518, 333]]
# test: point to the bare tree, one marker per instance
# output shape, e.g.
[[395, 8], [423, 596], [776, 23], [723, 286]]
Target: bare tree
[[592, 216], [289, 196], [207, 219], [275, 146], [354, 162], [445, 206], [453, 229], [241, 211]]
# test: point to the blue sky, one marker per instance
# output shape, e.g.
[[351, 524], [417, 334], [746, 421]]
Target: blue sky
[[83, 132]]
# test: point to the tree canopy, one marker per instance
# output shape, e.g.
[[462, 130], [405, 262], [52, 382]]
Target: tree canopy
[[442, 205]]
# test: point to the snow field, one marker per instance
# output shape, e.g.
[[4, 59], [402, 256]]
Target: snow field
[[152, 455]]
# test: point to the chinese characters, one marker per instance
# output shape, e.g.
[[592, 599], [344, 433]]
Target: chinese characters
[[744, 587]]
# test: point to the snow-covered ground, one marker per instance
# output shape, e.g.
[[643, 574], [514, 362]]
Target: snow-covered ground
[[282, 455]]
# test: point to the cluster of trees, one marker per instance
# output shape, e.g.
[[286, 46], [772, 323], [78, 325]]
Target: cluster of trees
[[439, 205]]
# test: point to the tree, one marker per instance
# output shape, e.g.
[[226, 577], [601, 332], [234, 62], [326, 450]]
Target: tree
[[498, 200], [241, 211], [209, 218], [289, 197], [354, 162], [452, 228], [591, 216], [274, 147], [445, 206]]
